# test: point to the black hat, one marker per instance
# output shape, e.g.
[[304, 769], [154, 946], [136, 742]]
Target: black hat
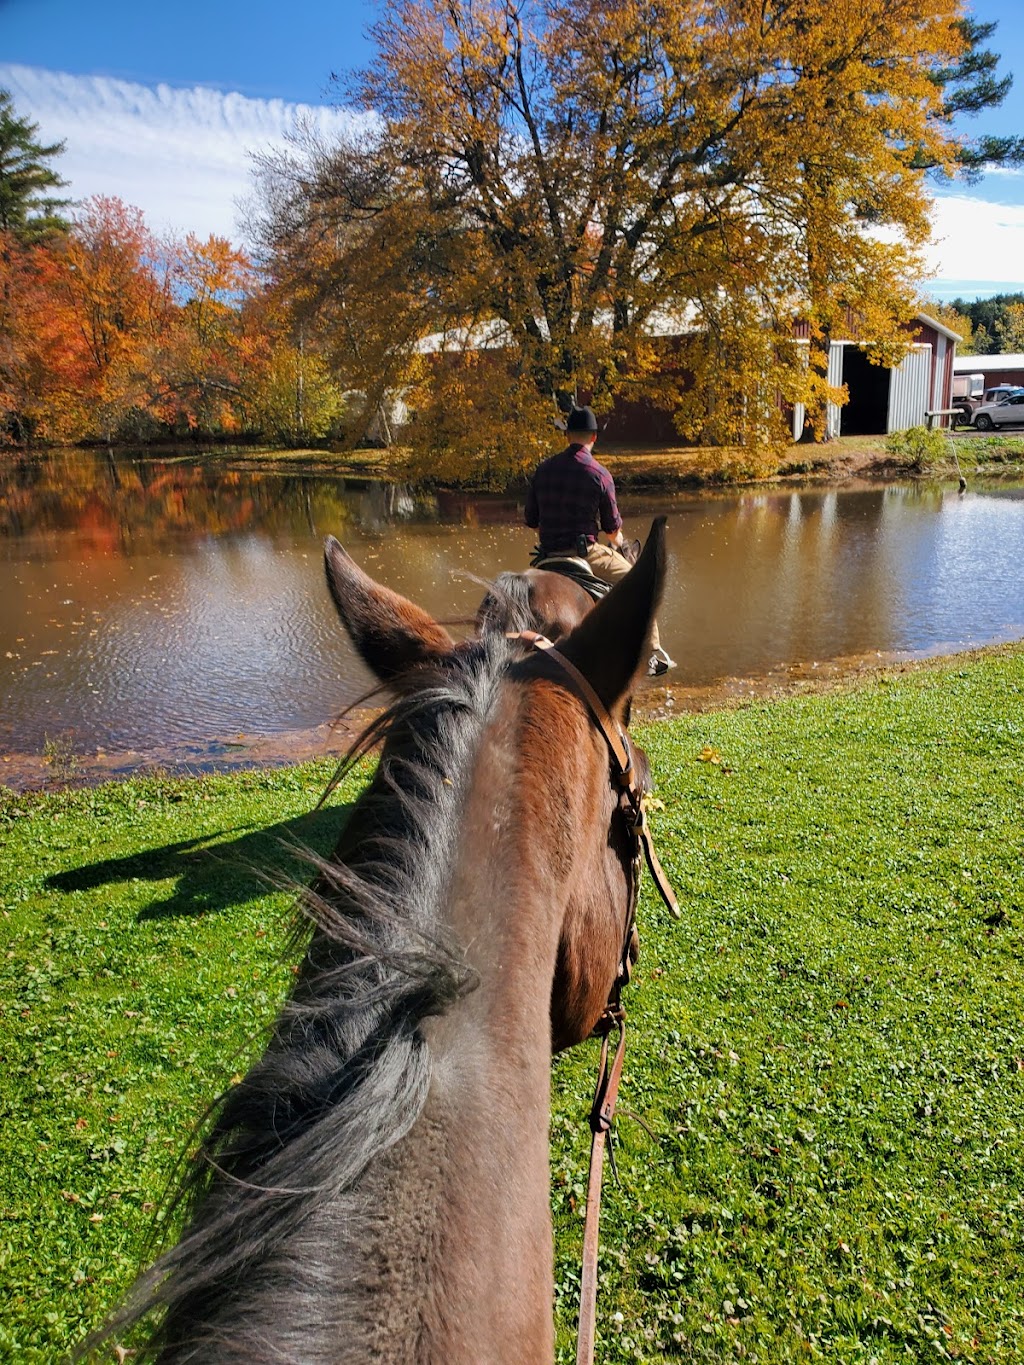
[[581, 419]]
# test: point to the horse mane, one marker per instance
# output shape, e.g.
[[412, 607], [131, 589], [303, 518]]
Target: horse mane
[[346, 1072], [506, 607]]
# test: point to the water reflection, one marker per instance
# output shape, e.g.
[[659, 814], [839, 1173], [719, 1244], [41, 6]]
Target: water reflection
[[146, 602]]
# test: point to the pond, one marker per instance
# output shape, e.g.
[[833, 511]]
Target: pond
[[170, 606]]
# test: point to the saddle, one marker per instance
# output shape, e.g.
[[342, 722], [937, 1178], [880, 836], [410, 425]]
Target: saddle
[[571, 566], [576, 567]]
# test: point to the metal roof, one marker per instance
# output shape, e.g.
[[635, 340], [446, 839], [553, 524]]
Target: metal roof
[[991, 363]]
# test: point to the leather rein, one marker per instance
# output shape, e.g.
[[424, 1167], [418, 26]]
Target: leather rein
[[614, 1015]]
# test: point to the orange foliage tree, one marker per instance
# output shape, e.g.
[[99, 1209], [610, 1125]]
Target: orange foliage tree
[[114, 286], [44, 364], [108, 332], [202, 362]]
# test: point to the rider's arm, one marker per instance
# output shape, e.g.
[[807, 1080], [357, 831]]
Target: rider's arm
[[531, 513], [611, 518]]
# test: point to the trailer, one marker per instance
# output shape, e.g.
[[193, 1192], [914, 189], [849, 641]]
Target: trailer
[[968, 395]]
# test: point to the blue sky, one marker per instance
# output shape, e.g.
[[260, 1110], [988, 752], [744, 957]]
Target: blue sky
[[265, 49], [162, 104]]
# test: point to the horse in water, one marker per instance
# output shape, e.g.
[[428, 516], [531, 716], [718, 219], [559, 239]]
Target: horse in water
[[376, 1188]]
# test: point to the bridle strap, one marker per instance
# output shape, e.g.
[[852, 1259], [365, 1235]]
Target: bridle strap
[[601, 1115], [602, 1110], [617, 742], [622, 756]]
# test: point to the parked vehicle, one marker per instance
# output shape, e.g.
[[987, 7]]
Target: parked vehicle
[[968, 396], [1008, 412], [1000, 393]]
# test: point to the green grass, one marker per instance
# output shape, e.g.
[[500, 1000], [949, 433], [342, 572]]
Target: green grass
[[981, 451], [829, 1047]]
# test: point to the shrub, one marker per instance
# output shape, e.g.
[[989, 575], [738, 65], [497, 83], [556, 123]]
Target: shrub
[[918, 448]]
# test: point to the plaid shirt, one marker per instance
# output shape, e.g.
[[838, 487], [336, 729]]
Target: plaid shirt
[[569, 496]]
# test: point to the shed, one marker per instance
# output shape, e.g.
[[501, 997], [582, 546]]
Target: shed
[[997, 369]]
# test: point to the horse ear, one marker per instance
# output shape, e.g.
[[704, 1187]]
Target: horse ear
[[390, 632], [611, 646]]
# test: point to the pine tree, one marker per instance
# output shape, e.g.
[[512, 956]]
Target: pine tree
[[27, 211], [970, 86]]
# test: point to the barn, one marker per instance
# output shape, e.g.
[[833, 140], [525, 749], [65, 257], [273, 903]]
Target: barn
[[884, 399]]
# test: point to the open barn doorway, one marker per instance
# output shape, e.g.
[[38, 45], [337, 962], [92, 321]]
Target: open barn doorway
[[867, 412]]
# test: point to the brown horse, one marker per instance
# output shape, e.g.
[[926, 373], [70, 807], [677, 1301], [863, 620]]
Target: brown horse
[[376, 1187], [536, 599]]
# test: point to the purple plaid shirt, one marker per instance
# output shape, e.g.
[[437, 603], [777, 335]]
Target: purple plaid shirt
[[570, 495]]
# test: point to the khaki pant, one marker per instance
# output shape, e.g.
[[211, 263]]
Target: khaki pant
[[608, 565]]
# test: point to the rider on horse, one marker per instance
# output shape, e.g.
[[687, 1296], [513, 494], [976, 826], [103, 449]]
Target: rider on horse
[[570, 496]]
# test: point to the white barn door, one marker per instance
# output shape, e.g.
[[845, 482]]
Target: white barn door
[[908, 390]]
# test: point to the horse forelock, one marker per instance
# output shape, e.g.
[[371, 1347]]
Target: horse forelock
[[346, 1073]]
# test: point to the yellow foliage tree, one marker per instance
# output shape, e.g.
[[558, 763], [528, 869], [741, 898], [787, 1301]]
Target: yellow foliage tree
[[293, 397], [203, 356], [1009, 329], [585, 173]]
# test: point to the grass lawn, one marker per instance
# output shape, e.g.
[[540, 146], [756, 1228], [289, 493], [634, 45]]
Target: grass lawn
[[829, 1047]]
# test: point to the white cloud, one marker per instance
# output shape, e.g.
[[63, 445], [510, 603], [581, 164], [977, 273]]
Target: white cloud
[[182, 156], [977, 241]]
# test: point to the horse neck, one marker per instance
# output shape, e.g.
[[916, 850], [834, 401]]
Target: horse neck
[[440, 1249], [470, 1186], [522, 839]]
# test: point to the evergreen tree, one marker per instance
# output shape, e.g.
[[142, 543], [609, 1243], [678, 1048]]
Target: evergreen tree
[[27, 211], [969, 86]]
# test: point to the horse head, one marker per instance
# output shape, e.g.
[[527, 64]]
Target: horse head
[[536, 599]]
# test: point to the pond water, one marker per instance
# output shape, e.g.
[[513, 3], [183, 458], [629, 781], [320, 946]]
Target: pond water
[[166, 604]]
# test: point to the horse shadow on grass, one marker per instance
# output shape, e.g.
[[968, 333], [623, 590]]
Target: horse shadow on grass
[[215, 873]]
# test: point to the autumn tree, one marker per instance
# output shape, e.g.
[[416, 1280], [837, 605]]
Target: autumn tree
[[42, 363], [27, 209], [584, 175], [201, 361], [349, 271], [948, 314], [114, 293], [292, 396], [1010, 329], [995, 322], [29, 216]]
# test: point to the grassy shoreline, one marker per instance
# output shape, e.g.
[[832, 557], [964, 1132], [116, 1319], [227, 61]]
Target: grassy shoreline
[[829, 1047], [645, 468]]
